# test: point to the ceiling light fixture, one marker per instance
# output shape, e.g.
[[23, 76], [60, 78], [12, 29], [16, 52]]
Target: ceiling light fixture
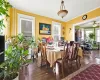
[[95, 24], [63, 12]]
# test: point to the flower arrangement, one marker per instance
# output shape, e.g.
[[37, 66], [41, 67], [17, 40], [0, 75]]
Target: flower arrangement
[[50, 40]]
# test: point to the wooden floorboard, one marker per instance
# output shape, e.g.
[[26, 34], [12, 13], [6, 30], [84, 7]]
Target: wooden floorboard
[[36, 73]]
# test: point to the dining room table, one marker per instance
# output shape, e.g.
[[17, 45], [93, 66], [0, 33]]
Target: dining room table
[[55, 53]]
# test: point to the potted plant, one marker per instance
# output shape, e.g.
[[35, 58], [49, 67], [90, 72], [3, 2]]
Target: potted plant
[[15, 58], [23, 42], [33, 43], [91, 36], [33, 46], [39, 40]]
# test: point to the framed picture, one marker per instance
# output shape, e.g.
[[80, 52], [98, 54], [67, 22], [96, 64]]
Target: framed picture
[[44, 29]]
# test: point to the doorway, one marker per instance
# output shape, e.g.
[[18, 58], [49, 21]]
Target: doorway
[[88, 32], [82, 30]]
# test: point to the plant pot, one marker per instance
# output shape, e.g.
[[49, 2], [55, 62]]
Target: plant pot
[[1, 78], [17, 78], [12, 77]]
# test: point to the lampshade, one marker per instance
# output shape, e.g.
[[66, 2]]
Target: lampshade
[[63, 12]]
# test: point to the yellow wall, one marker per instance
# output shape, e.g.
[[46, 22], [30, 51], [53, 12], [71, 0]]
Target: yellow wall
[[14, 22], [68, 35], [69, 24]]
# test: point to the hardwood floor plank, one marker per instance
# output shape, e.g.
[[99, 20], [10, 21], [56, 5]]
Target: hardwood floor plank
[[36, 73]]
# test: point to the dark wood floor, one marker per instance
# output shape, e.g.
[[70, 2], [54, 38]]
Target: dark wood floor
[[35, 73]]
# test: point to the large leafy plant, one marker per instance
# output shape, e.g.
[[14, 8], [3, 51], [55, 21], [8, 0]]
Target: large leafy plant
[[15, 57], [32, 42], [4, 7], [20, 40], [91, 35]]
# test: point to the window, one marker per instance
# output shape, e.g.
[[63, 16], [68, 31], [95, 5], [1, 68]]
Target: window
[[82, 35], [98, 35], [87, 32], [26, 25], [56, 31], [26, 28]]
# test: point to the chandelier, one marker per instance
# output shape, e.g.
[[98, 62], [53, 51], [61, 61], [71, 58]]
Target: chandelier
[[63, 12]]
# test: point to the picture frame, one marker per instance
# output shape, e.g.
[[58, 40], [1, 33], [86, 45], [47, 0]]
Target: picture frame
[[44, 29]]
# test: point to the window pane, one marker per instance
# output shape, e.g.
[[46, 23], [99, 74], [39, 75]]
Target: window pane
[[98, 35], [26, 28], [82, 30], [56, 38], [98, 32], [56, 32], [88, 32], [98, 39]]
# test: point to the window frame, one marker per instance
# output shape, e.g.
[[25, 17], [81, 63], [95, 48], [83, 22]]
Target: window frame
[[96, 34], [53, 24], [27, 18]]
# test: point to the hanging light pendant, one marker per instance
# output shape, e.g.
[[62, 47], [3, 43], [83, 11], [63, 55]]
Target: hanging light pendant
[[63, 12]]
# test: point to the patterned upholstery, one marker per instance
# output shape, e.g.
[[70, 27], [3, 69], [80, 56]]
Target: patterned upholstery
[[91, 73]]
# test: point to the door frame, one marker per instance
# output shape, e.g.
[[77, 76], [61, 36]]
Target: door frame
[[83, 22]]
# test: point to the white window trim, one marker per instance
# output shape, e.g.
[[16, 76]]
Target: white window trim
[[28, 18], [96, 33], [53, 23]]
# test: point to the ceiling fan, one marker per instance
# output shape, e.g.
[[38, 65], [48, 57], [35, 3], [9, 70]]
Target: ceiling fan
[[95, 24]]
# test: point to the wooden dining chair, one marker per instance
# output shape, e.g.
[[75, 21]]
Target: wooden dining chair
[[43, 55], [39, 47], [60, 64], [78, 57], [74, 57]]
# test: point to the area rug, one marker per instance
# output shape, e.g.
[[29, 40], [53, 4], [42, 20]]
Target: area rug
[[90, 72]]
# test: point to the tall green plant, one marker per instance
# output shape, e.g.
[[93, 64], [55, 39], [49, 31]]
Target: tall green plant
[[16, 56], [14, 60], [32, 42], [4, 6], [91, 35]]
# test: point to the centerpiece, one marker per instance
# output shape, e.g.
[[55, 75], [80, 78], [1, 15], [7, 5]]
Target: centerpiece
[[50, 40]]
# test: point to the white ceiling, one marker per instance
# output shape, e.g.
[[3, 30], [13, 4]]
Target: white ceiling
[[50, 8]]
